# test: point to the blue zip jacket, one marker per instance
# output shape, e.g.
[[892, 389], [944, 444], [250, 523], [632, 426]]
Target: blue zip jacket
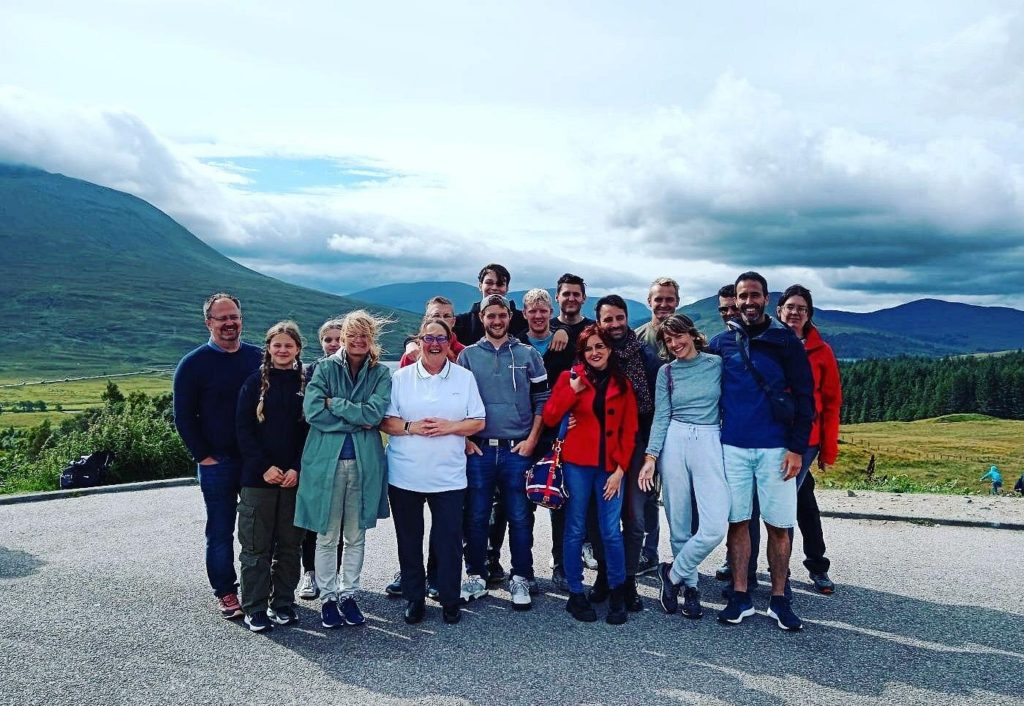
[[513, 385], [746, 412]]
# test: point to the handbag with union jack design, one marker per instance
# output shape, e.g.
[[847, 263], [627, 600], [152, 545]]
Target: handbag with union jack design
[[545, 481]]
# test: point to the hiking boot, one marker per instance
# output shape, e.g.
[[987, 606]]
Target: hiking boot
[[395, 587], [472, 588], [599, 592], [589, 560], [307, 587], [229, 606], [350, 611], [495, 573], [258, 621], [646, 565], [691, 603], [822, 583], [451, 613], [520, 590], [580, 608], [630, 596], [723, 572], [617, 614], [740, 606], [669, 591], [559, 580], [285, 615], [330, 616], [780, 609]]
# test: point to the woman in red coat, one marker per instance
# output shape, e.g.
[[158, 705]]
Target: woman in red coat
[[796, 310], [595, 456]]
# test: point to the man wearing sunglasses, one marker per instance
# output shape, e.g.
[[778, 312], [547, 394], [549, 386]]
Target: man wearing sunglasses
[[206, 385]]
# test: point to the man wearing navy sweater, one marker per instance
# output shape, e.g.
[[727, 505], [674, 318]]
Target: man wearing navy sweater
[[206, 385]]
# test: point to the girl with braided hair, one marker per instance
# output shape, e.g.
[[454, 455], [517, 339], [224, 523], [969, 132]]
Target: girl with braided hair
[[271, 433]]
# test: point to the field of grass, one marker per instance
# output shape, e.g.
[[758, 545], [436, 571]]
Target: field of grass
[[944, 454], [73, 396]]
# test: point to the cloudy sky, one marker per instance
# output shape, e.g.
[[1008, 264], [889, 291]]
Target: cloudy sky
[[872, 151]]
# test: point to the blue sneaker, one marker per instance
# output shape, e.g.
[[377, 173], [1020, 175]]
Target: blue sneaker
[[258, 621], [669, 591], [781, 610], [350, 611], [330, 617], [740, 606], [691, 603]]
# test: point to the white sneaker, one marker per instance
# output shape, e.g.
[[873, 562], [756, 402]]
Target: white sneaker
[[589, 561], [472, 588], [308, 588], [551, 563], [520, 590]]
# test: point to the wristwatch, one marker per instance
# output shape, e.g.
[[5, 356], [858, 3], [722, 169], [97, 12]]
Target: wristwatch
[[407, 427]]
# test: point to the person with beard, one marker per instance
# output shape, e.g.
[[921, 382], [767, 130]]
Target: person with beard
[[571, 294], [727, 308], [206, 386], [514, 386], [663, 300], [762, 442], [596, 453], [493, 279], [639, 363]]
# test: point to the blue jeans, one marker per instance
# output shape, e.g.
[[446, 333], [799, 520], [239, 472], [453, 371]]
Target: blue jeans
[[221, 483], [582, 483], [507, 470]]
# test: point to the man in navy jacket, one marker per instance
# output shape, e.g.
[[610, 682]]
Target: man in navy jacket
[[206, 385], [761, 446]]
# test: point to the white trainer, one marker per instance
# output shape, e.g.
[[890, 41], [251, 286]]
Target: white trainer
[[519, 587], [589, 561], [308, 588], [472, 588]]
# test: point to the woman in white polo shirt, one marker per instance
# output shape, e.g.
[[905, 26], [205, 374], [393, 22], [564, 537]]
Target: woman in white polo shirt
[[435, 405]]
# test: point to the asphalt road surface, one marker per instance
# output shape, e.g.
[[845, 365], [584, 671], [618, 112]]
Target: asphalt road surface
[[104, 600]]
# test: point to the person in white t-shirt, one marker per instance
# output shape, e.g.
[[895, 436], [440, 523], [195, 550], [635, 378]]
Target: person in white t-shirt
[[434, 406]]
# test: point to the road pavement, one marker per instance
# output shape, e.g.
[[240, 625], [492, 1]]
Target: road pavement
[[105, 601]]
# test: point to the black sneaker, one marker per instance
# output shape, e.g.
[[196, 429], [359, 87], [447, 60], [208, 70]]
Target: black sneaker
[[669, 590], [646, 565], [414, 612], [451, 613], [330, 616], [533, 586], [630, 597], [822, 583], [781, 610], [723, 572], [691, 603], [740, 606], [351, 612], [258, 621], [598, 592], [432, 592], [395, 587], [617, 605], [580, 608], [559, 580], [495, 573], [284, 615]]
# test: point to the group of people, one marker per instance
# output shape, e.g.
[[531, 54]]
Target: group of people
[[723, 431]]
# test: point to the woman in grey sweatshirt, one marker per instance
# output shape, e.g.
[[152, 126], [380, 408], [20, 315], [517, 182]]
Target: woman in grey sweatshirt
[[686, 446]]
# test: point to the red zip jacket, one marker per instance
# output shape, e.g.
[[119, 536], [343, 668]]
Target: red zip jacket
[[828, 396], [582, 442]]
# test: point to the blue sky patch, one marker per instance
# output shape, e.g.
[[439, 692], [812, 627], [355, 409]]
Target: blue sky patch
[[278, 175]]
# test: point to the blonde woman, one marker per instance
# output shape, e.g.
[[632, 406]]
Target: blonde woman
[[343, 487]]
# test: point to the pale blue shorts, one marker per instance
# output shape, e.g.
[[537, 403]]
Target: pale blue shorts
[[777, 497]]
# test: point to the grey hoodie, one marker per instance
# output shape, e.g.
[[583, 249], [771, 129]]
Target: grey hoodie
[[513, 385]]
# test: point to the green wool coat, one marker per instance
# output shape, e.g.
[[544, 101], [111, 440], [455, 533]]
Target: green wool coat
[[354, 403]]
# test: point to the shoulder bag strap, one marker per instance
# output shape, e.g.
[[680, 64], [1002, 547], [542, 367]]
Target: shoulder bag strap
[[758, 377]]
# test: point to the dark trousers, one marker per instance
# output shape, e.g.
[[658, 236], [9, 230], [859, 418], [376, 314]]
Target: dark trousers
[[309, 551], [445, 541], [808, 517], [220, 483], [270, 548]]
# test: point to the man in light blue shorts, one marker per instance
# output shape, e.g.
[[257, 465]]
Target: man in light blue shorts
[[767, 412]]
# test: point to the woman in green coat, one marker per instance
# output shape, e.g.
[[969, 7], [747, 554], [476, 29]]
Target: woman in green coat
[[343, 484]]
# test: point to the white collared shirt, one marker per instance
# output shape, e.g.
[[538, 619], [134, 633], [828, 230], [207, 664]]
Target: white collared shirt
[[431, 464]]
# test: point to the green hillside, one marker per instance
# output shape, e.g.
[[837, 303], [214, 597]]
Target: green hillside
[[96, 280]]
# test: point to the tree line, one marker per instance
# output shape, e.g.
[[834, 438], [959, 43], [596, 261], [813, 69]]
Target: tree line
[[909, 388]]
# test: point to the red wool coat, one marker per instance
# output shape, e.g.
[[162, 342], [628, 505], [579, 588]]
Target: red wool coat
[[828, 396], [582, 441]]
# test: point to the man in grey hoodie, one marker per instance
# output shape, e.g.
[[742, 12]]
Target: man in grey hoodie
[[514, 387]]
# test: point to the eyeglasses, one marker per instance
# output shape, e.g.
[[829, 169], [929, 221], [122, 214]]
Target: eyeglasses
[[222, 319], [430, 338], [794, 309], [596, 347]]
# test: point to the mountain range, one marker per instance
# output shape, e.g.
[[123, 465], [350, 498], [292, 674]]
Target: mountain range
[[96, 280]]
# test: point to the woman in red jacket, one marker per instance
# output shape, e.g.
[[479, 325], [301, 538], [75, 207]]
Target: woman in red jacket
[[595, 454], [796, 310]]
